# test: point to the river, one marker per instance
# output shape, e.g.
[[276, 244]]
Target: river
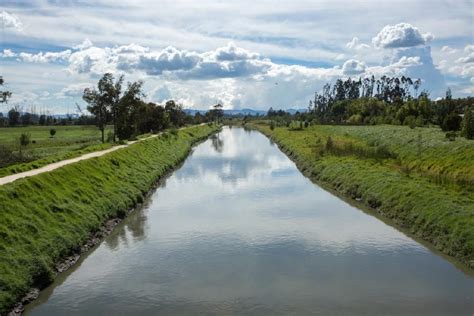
[[237, 229]]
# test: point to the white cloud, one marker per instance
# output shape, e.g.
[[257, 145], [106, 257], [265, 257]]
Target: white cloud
[[340, 57], [356, 44], [8, 53], [448, 50], [45, 57], [469, 49], [467, 59], [400, 35], [73, 90], [11, 21], [353, 67], [84, 45]]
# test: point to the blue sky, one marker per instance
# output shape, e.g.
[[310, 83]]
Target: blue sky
[[243, 54]]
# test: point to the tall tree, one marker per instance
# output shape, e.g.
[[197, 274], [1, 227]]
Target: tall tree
[[97, 106], [111, 95], [128, 110], [4, 95]]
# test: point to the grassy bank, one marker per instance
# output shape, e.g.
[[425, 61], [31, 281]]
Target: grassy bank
[[46, 217], [424, 187]]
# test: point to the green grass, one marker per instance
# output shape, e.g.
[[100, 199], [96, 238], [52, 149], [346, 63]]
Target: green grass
[[438, 212], [45, 217], [69, 142]]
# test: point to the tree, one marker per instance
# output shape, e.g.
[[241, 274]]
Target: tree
[[175, 113], [217, 112], [128, 110], [24, 141], [14, 116], [98, 108], [468, 124], [111, 96], [4, 95]]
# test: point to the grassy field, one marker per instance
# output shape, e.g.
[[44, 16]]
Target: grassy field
[[69, 141], [45, 217], [425, 186]]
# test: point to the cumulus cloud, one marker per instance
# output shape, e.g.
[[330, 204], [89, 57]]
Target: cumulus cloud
[[356, 44], [45, 57], [469, 49], [8, 53], [229, 61], [400, 35], [467, 59], [448, 50], [233, 75], [73, 90], [353, 67], [11, 21], [84, 45]]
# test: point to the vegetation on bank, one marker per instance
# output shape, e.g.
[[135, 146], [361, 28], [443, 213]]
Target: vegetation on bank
[[46, 217], [416, 177], [45, 145]]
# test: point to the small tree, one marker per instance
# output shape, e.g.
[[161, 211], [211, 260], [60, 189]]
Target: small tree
[[272, 125], [329, 144], [52, 132], [468, 124], [24, 141]]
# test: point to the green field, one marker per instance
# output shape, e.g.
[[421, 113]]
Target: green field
[[47, 216], [69, 141], [423, 183]]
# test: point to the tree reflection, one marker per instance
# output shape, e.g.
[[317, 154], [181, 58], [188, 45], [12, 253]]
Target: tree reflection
[[217, 143]]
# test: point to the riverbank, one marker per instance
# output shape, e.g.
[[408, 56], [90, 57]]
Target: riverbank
[[48, 217], [436, 207]]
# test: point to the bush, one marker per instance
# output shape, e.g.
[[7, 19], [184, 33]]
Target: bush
[[272, 125], [419, 121], [52, 132], [329, 144], [451, 136], [355, 119], [306, 124], [110, 137], [452, 122], [468, 124], [410, 120]]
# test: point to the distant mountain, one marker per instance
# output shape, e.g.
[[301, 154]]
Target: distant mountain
[[242, 112]]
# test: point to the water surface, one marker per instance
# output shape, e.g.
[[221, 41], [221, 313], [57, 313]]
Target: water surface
[[239, 230]]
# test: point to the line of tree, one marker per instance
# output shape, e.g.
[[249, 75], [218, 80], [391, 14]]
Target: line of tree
[[130, 115], [386, 100]]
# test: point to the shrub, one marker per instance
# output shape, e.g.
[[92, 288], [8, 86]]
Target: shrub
[[452, 122], [306, 124], [468, 124], [451, 136], [272, 125], [110, 137], [329, 144], [355, 119], [410, 120], [52, 132]]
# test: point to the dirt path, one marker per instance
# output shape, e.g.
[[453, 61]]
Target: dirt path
[[59, 164]]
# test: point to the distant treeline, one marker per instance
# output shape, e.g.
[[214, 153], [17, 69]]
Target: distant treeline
[[125, 109], [387, 100], [17, 117]]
